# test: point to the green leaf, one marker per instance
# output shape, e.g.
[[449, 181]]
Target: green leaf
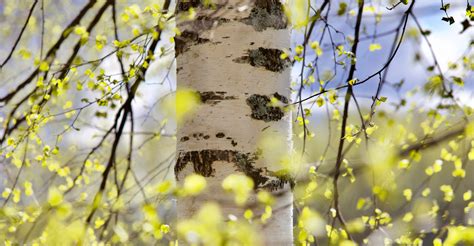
[[352, 81], [44, 66], [342, 8], [194, 184], [374, 47], [445, 7], [458, 81], [55, 197]]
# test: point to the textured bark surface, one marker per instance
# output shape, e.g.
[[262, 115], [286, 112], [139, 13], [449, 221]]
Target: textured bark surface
[[231, 56], [262, 110], [267, 58], [203, 164]]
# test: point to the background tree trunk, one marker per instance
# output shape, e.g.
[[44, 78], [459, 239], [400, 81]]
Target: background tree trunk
[[231, 56]]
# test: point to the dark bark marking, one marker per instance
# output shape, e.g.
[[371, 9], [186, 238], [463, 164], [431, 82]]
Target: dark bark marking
[[266, 14], [265, 57], [187, 39], [203, 160], [202, 23], [197, 136], [214, 97], [280, 98], [186, 5], [201, 136], [261, 110]]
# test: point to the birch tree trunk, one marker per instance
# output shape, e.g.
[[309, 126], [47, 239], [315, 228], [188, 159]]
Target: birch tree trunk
[[231, 56]]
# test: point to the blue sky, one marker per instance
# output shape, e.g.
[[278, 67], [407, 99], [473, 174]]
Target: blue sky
[[447, 43]]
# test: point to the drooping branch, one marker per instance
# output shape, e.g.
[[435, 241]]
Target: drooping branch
[[51, 52], [122, 116], [19, 35], [347, 99]]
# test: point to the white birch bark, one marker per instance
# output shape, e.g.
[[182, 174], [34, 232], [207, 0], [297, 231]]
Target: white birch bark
[[233, 62]]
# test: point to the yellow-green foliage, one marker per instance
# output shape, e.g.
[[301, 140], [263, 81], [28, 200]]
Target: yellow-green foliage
[[88, 144]]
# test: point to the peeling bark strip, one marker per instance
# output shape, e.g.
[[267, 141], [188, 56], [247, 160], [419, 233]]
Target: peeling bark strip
[[266, 14], [264, 57], [214, 97], [187, 39], [243, 162], [261, 110]]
